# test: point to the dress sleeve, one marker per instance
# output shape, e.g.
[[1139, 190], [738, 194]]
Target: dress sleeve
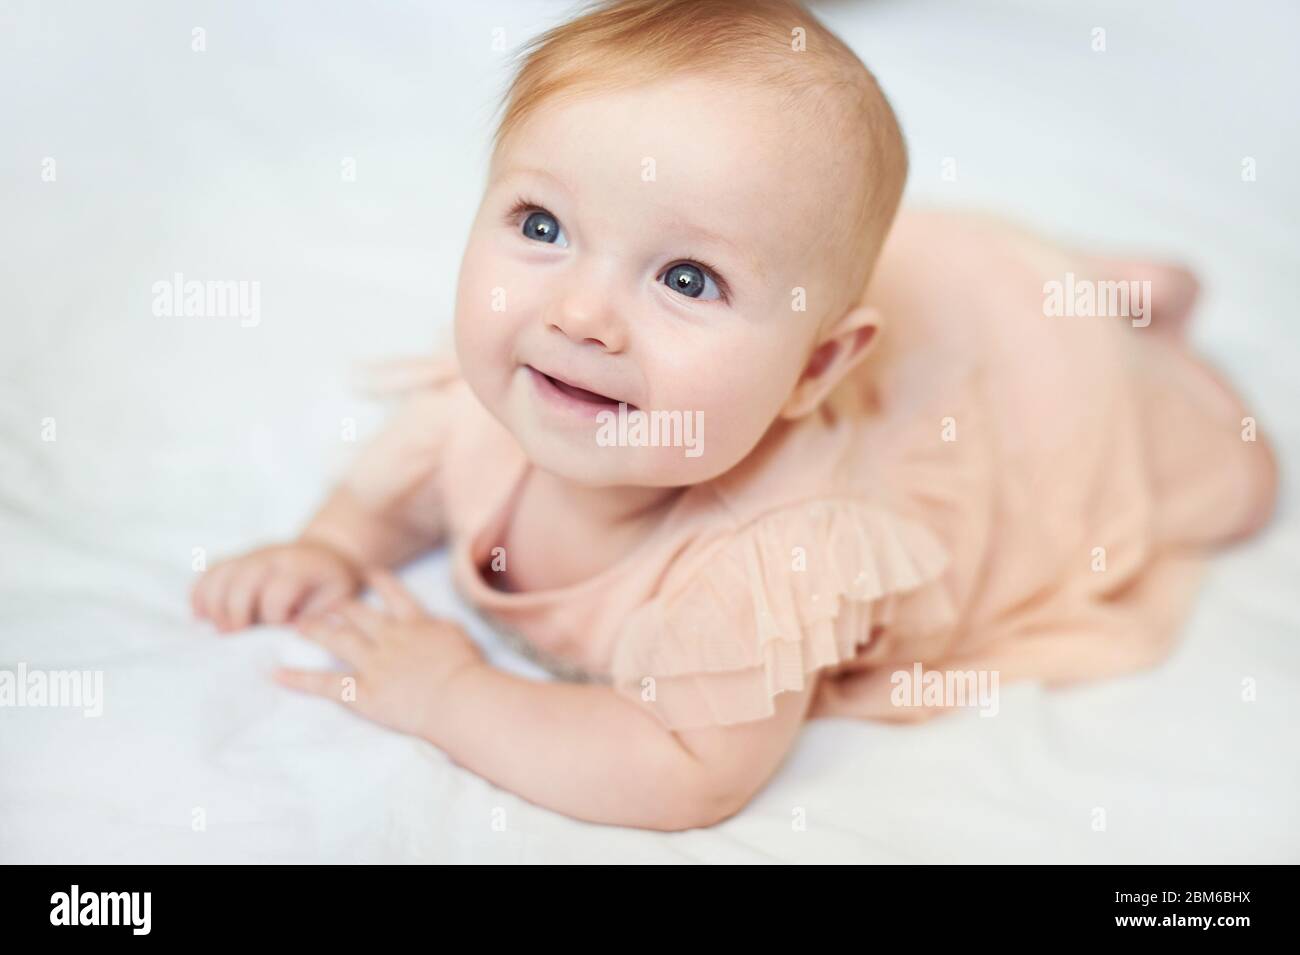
[[795, 591], [394, 473]]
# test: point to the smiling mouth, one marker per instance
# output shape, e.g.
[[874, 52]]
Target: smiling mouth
[[578, 394]]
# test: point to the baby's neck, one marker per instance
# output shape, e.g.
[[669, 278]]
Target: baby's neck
[[601, 508], [561, 533]]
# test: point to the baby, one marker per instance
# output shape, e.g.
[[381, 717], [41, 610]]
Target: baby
[[726, 452]]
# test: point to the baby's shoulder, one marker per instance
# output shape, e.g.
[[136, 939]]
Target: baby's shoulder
[[876, 442], [839, 532], [764, 596]]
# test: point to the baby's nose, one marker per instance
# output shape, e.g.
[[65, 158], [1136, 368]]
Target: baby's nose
[[586, 320]]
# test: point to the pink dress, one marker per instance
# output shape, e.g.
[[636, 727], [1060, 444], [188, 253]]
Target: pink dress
[[994, 489]]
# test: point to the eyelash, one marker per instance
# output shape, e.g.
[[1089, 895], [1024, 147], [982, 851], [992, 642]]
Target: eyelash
[[522, 206]]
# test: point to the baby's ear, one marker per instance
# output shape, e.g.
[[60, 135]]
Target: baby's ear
[[843, 346]]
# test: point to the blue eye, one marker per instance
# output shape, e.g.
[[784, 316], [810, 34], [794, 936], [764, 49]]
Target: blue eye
[[544, 227], [692, 281]]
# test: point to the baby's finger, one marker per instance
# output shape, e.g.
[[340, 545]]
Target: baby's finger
[[342, 640], [275, 605], [241, 600], [396, 598], [196, 594], [323, 683], [362, 616], [211, 592], [323, 598]]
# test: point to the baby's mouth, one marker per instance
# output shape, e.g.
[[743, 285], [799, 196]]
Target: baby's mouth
[[577, 393]]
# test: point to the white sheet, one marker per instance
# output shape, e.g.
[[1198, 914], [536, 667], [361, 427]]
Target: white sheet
[[174, 434]]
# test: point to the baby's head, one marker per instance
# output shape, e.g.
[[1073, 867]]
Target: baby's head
[[685, 201]]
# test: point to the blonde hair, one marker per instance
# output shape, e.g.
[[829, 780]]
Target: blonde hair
[[610, 44]]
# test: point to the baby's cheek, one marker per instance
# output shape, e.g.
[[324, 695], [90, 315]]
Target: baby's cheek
[[731, 404], [719, 431], [487, 312]]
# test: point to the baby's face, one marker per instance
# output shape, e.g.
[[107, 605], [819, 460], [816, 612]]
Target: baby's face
[[646, 246]]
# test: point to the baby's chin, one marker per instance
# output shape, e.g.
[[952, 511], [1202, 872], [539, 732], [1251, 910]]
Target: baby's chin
[[610, 445], [585, 461]]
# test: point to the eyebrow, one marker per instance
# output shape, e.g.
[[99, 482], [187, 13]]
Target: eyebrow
[[537, 172], [701, 234], [694, 232]]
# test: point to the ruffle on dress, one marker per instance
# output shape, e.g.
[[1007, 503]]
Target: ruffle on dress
[[797, 590]]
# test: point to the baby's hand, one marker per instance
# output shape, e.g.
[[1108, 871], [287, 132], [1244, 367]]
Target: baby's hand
[[274, 585], [403, 661]]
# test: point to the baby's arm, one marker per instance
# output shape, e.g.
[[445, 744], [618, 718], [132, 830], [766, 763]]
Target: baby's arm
[[583, 750], [372, 537]]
